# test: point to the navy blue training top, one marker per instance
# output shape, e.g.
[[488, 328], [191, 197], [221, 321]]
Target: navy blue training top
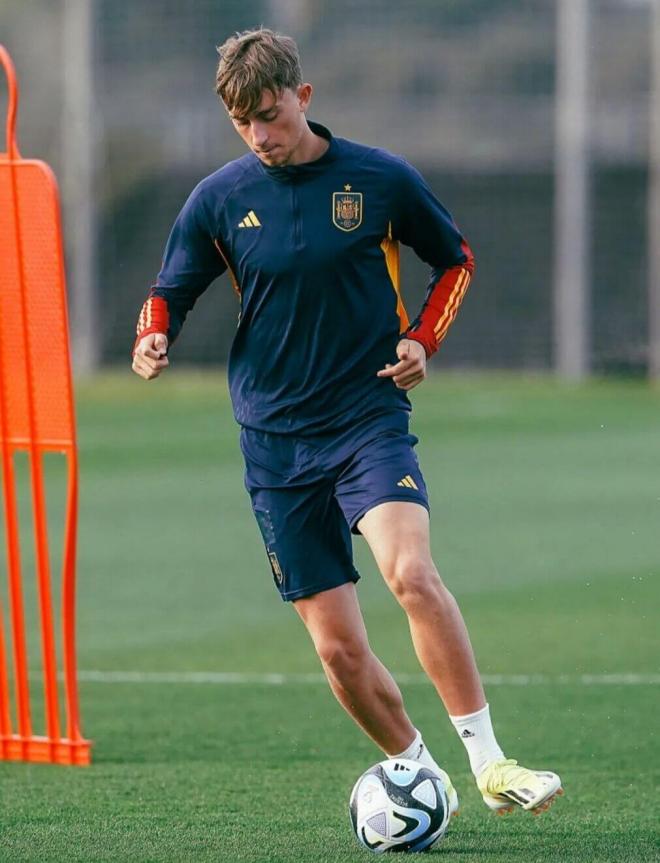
[[312, 252]]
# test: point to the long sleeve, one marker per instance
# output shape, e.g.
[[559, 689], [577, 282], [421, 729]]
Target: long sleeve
[[190, 263], [427, 227]]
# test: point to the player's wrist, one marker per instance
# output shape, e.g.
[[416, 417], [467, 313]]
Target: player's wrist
[[428, 343]]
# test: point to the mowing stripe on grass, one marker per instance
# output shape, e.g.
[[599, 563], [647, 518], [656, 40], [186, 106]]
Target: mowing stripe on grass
[[277, 679]]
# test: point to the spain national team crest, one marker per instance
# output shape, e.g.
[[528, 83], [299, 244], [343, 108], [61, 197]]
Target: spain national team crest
[[347, 209]]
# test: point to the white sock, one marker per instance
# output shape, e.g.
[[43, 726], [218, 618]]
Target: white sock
[[417, 751], [476, 732]]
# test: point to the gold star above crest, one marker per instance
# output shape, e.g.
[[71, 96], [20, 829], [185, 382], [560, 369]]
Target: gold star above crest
[[347, 187]]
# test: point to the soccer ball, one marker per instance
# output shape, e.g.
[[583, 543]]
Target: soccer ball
[[399, 805]]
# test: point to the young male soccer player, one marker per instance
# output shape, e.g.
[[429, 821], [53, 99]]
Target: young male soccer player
[[307, 226]]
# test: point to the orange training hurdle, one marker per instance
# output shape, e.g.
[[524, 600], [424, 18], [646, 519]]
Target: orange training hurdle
[[37, 417]]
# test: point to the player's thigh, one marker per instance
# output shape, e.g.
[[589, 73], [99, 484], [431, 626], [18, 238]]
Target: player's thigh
[[307, 540], [398, 534]]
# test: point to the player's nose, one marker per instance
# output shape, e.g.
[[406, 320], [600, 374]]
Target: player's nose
[[259, 135]]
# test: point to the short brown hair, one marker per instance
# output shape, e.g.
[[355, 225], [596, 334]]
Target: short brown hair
[[252, 62]]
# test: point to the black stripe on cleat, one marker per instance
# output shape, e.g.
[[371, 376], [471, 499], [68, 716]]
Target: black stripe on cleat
[[513, 795]]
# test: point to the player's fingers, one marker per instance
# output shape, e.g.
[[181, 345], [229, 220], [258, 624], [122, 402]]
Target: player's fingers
[[410, 384], [151, 352], [141, 368], [387, 372], [141, 372], [410, 377], [391, 371], [160, 342], [153, 363], [413, 373]]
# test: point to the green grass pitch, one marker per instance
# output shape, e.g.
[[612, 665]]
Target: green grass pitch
[[546, 525]]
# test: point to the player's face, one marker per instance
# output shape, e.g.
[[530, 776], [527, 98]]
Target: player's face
[[275, 131]]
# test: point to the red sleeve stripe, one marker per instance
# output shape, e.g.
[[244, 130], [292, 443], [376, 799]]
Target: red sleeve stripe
[[455, 299], [154, 318]]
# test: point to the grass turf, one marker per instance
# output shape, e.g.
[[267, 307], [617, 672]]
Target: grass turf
[[546, 505]]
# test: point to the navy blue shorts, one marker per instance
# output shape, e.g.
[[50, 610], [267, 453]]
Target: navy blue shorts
[[308, 495]]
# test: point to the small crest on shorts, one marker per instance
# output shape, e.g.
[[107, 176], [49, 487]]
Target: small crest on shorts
[[275, 566], [347, 209]]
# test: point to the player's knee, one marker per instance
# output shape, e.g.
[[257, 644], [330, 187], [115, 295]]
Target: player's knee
[[414, 582], [344, 658]]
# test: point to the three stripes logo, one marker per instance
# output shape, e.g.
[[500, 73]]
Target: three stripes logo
[[454, 301], [522, 795], [408, 482], [144, 321], [250, 221]]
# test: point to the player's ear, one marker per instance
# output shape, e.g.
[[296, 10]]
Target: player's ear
[[304, 96]]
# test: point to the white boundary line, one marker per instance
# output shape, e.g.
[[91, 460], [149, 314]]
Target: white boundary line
[[223, 678]]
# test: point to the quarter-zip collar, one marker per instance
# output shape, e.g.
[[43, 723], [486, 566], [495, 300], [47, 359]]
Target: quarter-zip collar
[[306, 170]]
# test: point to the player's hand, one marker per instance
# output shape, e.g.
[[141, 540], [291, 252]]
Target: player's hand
[[150, 357], [411, 368]]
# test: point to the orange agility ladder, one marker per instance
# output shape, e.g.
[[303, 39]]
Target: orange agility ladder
[[37, 417]]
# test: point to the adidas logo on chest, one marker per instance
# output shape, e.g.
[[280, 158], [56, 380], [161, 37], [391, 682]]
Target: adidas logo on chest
[[250, 221]]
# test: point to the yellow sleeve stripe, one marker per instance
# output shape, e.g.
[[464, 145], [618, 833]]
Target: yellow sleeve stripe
[[390, 249], [454, 302], [230, 272]]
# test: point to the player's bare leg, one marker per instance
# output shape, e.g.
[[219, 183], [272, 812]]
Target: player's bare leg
[[360, 682], [398, 535]]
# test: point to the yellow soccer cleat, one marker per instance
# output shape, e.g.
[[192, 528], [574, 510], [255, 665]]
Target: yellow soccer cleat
[[505, 785]]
